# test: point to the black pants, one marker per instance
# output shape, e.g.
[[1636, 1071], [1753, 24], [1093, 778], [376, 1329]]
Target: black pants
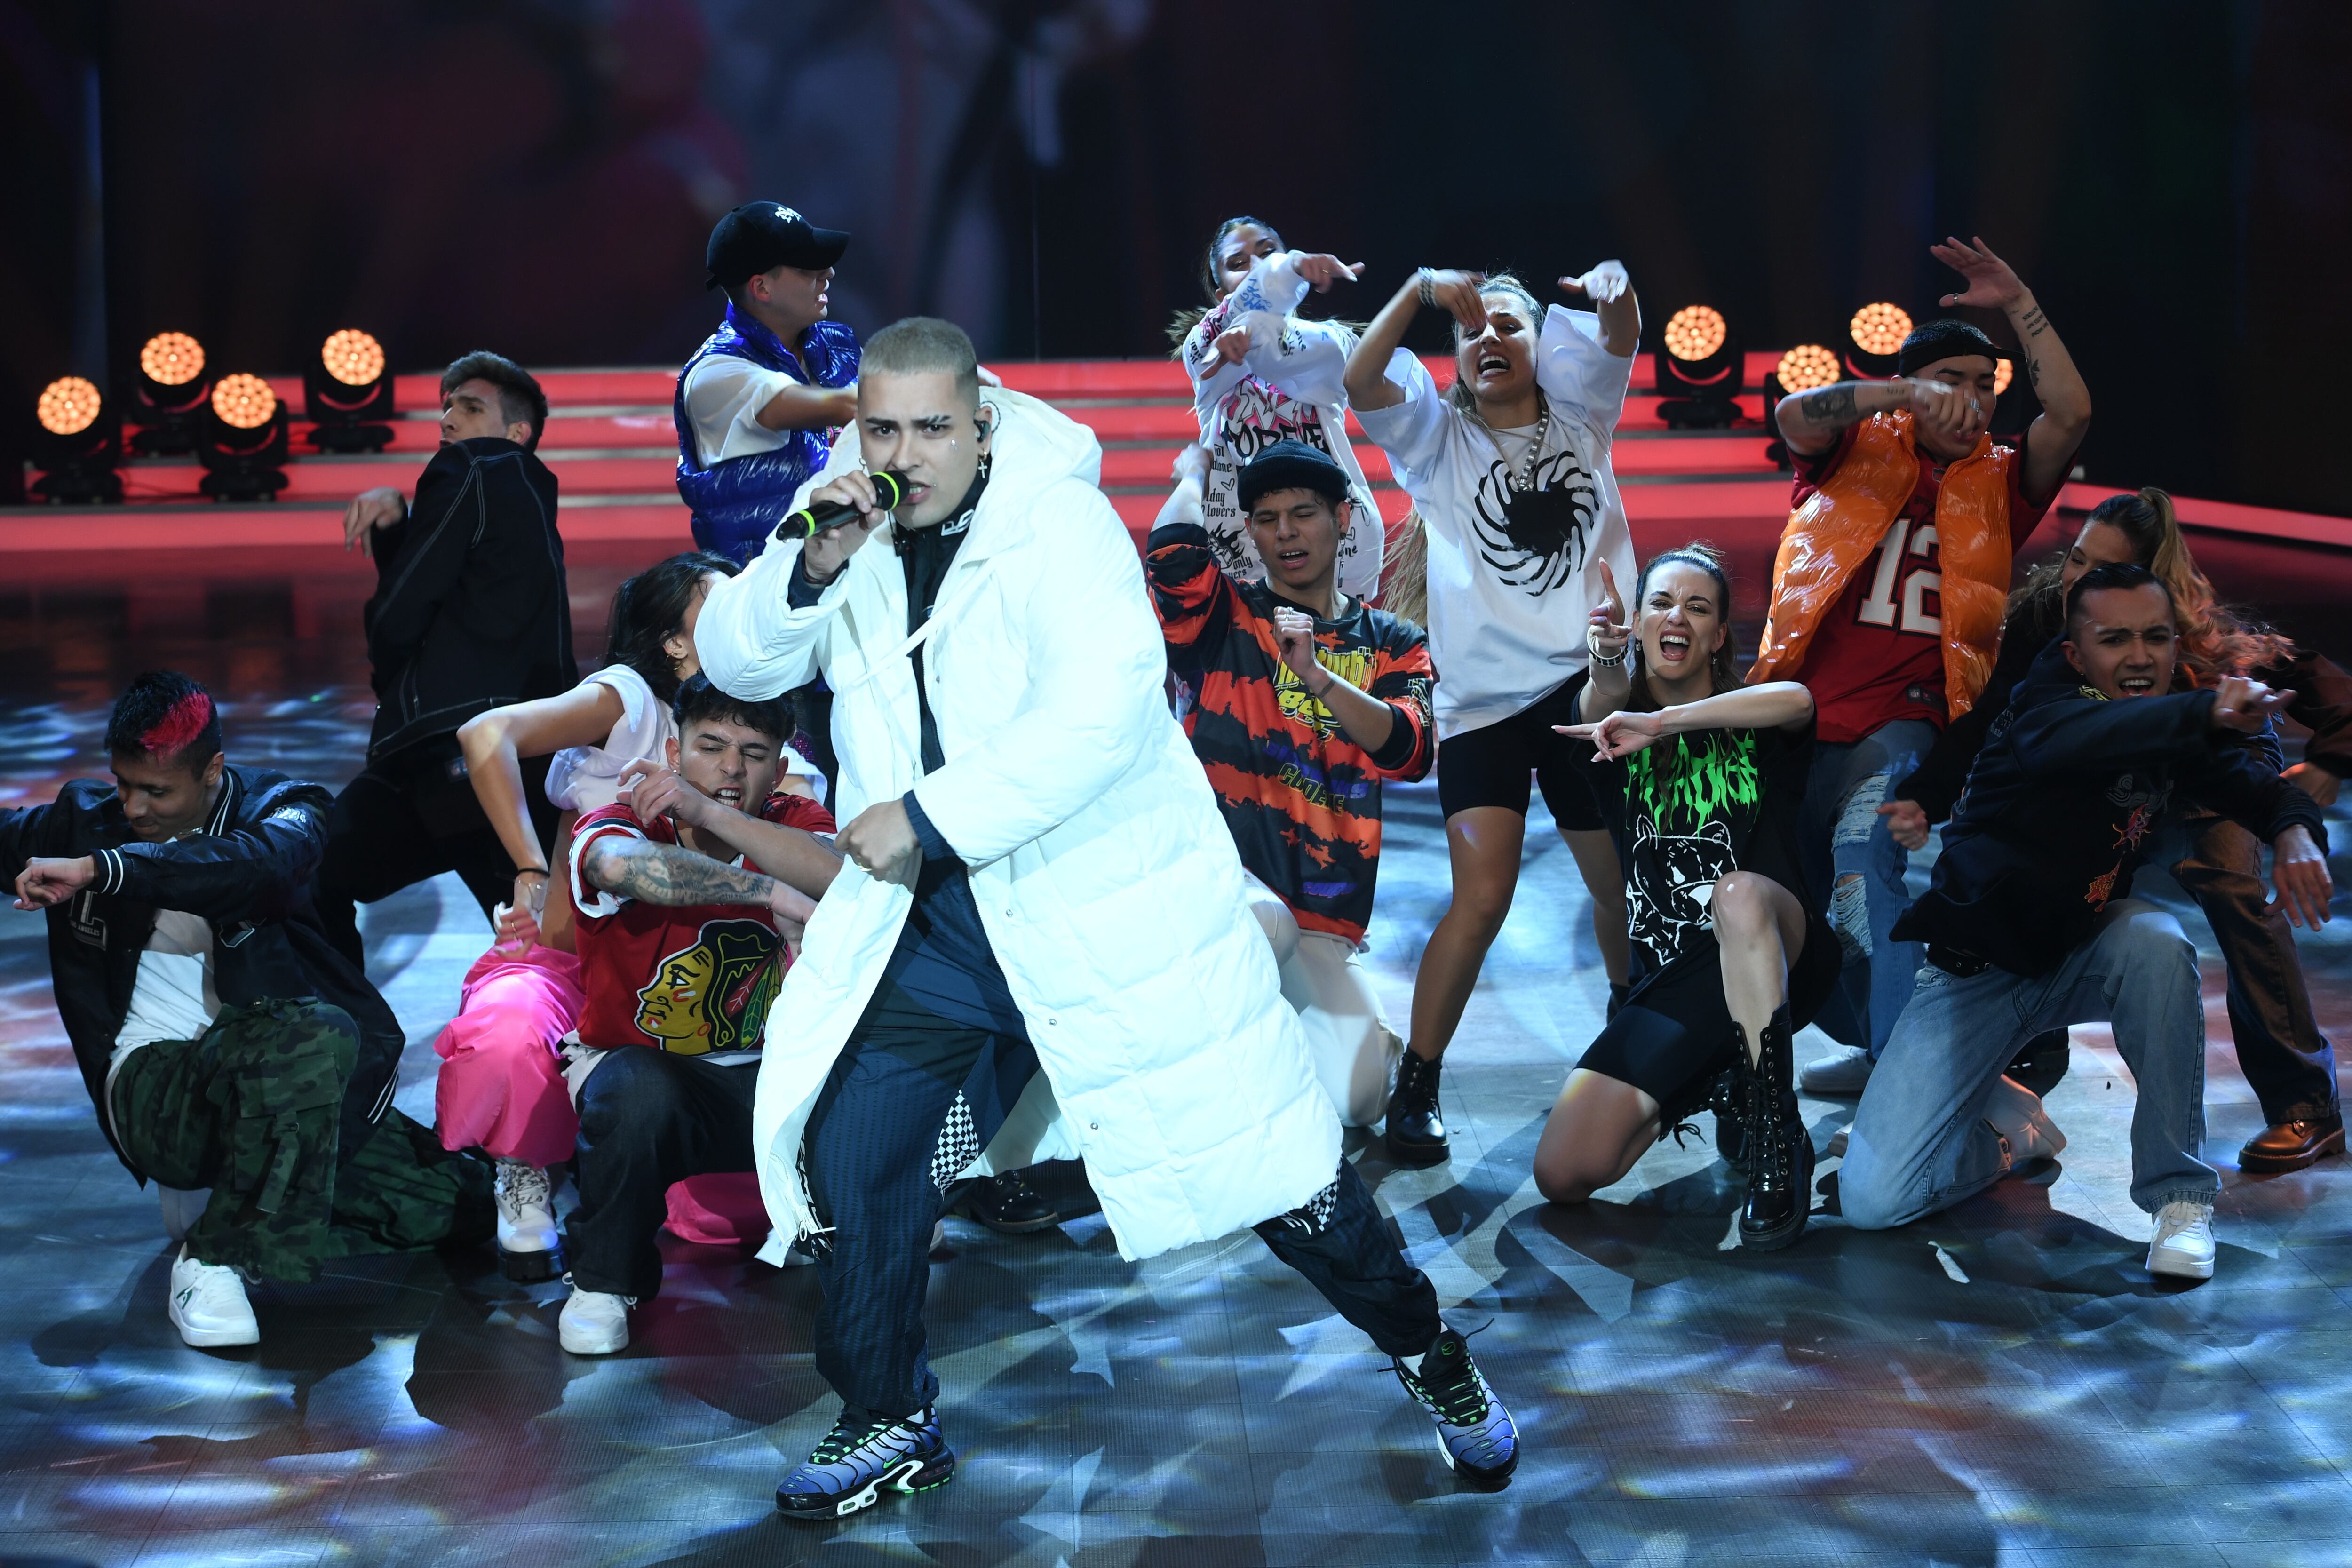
[[384, 834], [2287, 1060], [888, 1134], [648, 1118]]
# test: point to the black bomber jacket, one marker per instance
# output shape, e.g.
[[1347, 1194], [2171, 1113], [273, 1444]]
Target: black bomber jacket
[[247, 874]]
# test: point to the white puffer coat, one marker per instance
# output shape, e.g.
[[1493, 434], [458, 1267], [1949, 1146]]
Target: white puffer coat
[[1106, 878]]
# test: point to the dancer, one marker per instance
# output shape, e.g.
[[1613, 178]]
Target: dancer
[[1261, 375], [501, 1089], [690, 891], [2280, 1049], [756, 403], [1904, 474], [1304, 700], [233, 1057], [1511, 470], [1038, 880], [1700, 778], [471, 612], [2028, 923]]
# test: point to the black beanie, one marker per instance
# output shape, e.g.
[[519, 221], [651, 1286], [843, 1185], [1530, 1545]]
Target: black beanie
[[1290, 465]]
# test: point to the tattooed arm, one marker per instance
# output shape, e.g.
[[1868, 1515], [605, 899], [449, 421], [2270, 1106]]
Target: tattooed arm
[[2065, 415], [1811, 421], [667, 874]]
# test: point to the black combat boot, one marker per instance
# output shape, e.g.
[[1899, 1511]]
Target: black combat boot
[[1417, 1128], [1729, 1104], [1779, 1149]]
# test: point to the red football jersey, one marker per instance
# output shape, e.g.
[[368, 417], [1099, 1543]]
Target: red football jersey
[[1878, 654], [692, 978]]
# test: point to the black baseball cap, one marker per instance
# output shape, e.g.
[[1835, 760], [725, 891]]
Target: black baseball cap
[[1290, 465], [760, 236]]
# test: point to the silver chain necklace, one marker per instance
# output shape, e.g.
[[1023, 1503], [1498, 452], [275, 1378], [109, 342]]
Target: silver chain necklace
[[1525, 478]]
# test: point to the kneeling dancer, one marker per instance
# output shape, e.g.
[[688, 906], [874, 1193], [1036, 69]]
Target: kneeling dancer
[[1037, 879], [2030, 924], [1700, 780], [236, 1057], [688, 888]]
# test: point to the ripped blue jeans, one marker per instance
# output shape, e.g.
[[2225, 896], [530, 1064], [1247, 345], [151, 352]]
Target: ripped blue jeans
[[1844, 836]]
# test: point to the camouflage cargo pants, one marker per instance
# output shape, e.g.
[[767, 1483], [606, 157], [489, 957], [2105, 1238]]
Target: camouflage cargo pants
[[250, 1111]]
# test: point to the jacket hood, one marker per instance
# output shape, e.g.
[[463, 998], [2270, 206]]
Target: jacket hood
[[1035, 447]]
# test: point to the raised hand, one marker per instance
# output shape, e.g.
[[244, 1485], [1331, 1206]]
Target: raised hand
[[1993, 283], [370, 509], [1294, 632], [825, 554], [1191, 464], [1456, 293], [2245, 705], [658, 790], [1607, 635], [2299, 874], [1323, 270], [1604, 285], [1941, 406], [1228, 346]]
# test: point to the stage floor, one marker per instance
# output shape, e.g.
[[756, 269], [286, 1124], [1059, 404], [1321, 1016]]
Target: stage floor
[[2002, 1385]]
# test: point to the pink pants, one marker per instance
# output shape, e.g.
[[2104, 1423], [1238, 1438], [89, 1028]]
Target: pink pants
[[502, 1088]]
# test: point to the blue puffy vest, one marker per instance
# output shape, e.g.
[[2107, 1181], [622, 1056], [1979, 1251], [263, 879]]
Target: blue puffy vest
[[738, 503]]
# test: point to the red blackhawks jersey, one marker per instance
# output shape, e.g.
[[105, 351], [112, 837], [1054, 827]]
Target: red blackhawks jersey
[[692, 979]]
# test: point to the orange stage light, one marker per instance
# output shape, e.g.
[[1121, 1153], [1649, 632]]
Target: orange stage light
[[352, 357], [171, 359], [1880, 329], [2003, 373], [1695, 333], [243, 402], [69, 406], [1806, 366]]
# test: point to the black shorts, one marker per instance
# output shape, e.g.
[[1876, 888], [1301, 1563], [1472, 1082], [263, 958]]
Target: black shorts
[[1489, 766], [1672, 1040]]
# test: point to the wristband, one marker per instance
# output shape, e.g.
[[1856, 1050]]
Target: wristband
[[1605, 661], [532, 871], [1428, 286]]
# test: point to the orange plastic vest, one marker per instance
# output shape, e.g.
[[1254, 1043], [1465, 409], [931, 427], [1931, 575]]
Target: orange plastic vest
[[1833, 534]]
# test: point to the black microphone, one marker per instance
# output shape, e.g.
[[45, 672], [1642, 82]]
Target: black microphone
[[889, 489]]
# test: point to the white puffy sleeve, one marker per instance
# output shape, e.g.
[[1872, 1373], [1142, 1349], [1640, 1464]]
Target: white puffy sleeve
[[1584, 379]]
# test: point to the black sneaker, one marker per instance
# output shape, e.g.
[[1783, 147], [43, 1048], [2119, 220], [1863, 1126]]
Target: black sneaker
[[1416, 1128], [1008, 1204], [858, 1460], [1475, 1433]]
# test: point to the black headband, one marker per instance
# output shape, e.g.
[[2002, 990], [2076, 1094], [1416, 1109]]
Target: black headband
[[1946, 339]]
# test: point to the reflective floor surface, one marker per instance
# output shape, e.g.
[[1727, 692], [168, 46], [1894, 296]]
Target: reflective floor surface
[[2003, 1384]]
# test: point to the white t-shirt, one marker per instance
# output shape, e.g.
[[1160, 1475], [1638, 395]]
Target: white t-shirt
[[584, 778], [173, 997], [724, 395], [1289, 384], [1513, 574]]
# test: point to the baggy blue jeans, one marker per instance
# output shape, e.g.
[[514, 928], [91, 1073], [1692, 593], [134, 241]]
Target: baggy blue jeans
[[1843, 835], [1920, 1142]]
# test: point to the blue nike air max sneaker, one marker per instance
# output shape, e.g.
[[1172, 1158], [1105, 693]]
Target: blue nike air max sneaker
[[1475, 1433], [858, 1459]]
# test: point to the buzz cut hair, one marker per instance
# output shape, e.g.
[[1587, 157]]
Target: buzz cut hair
[[921, 343]]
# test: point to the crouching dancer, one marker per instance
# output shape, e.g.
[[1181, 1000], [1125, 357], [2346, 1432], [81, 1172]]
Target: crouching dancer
[[2029, 926], [235, 1057], [1037, 880], [1700, 779], [689, 889], [1303, 700]]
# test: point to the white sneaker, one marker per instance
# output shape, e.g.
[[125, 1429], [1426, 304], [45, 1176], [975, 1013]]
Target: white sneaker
[[526, 1223], [594, 1323], [2015, 1112], [2183, 1245], [1838, 1075], [208, 1305]]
